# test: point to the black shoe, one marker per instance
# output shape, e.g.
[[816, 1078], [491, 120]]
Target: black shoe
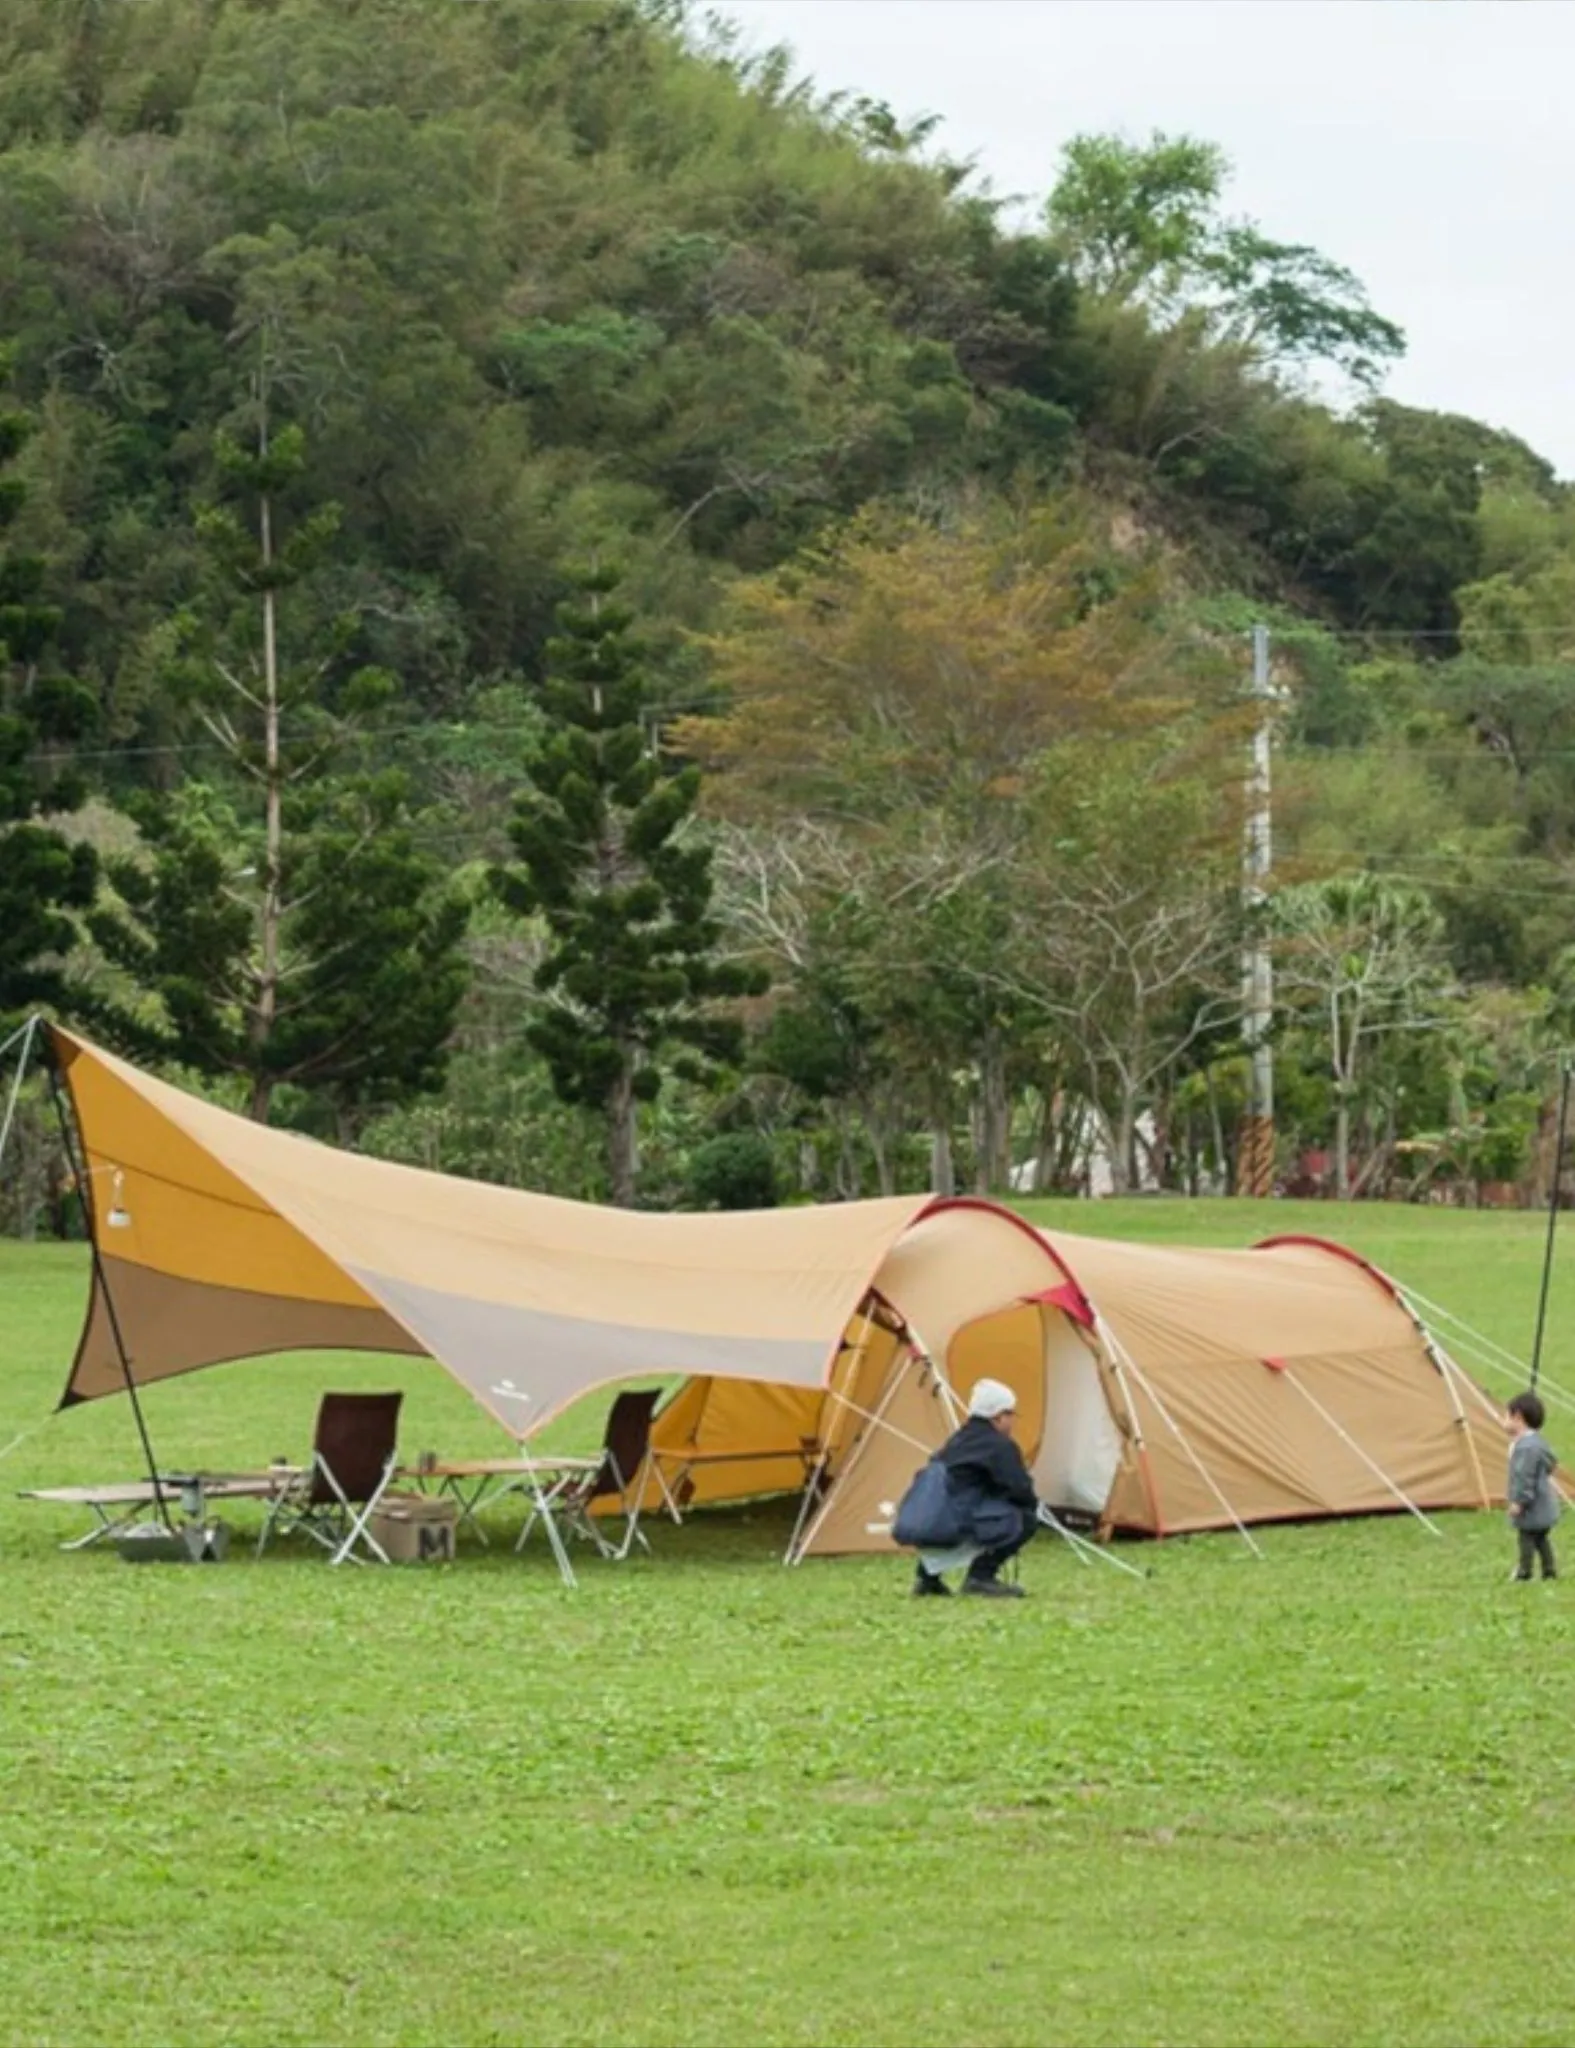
[[993, 1589], [930, 1586]]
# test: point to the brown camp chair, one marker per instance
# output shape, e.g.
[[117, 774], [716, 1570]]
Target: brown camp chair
[[332, 1499], [626, 1450]]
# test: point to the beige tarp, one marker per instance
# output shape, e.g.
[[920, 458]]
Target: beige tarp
[[222, 1239]]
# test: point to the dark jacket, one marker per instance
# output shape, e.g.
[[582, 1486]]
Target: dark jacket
[[985, 1465], [1531, 1469]]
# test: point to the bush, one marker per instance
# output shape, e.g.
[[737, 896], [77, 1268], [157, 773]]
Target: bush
[[734, 1172]]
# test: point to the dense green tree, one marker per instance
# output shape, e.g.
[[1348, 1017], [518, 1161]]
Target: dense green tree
[[631, 985], [45, 877], [291, 926], [549, 282], [1141, 222]]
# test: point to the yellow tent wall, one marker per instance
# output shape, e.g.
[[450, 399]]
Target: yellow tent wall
[[722, 1440]]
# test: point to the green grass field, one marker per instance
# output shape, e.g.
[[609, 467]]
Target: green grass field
[[1326, 1798]]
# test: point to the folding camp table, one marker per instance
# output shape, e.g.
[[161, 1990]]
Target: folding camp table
[[671, 1465], [117, 1507], [480, 1482]]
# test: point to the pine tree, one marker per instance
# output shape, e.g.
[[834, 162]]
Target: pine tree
[[285, 915], [44, 877], [630, 988]]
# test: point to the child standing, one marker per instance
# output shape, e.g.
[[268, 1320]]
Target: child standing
[[1533, 1503]]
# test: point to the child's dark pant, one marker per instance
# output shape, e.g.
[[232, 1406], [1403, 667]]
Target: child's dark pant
[[1534, 1543]]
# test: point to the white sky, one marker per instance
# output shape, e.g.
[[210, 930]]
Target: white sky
[[1429, 145]]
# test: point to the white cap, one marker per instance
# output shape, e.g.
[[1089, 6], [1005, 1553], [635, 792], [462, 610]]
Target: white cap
[[990, 1399]]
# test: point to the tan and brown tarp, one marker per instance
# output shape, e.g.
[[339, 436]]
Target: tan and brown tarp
[[221, 1239]]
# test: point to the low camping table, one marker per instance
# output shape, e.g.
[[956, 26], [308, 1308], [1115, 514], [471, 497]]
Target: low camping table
[[119, 1506], [479, 1482], [673, 1464]]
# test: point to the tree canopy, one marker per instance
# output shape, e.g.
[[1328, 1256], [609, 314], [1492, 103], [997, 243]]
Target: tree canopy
[[930, 524]]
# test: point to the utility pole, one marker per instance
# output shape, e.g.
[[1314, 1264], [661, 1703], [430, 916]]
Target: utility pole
[[1255, 1161]]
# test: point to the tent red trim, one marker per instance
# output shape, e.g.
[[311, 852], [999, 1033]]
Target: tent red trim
[[1338, 1251], [1071, 1300]]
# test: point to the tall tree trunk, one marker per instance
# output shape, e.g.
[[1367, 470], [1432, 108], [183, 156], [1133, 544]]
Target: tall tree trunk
[[992, 1167], [847, 1165], [621, 1160], [885, 1180], [943, 1170], [1048, 1146], [1342, 1145], [266, 1001], [1122, 1141]]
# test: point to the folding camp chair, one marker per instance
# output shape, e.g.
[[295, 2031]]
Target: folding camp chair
[[624, 1467], [354, 1457]]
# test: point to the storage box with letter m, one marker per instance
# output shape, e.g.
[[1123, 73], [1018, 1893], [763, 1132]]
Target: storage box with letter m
[[415, 1528]]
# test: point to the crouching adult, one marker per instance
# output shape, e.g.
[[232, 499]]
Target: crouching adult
[[993, 1494]]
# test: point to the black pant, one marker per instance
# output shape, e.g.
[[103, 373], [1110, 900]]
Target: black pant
[[989, 1562], [1534, 1543]]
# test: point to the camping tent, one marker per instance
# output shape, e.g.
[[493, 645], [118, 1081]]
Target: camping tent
[[219, 1239], [1161, 1390], [1165, 1390]]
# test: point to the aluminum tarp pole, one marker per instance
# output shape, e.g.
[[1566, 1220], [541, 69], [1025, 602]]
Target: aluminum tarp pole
[[79, 1168], [1553, 1215], [24, 1038]]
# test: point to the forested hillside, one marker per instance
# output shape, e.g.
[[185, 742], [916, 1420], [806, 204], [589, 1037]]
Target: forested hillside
[[575, 609]]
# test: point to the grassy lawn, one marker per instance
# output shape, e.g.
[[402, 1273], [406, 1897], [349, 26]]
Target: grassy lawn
[[1329, 1798]]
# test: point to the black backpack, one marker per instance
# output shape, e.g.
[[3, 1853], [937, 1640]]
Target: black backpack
[[929, 1515]]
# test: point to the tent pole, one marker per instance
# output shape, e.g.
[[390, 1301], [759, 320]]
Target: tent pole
[[1441, 1367], [1196, 1462], [1351, 1444], [1139, 1444], [1496, 1358], [1484, 1348], [1566, 1068], [90, 1216], [855, 1359], [1488, 1408], [24, 1037], [876, 1421]]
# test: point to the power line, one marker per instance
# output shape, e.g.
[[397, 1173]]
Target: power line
[[1461, 633]]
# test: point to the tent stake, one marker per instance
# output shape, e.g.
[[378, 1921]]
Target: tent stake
[[1565, 1070], [90, 1216], [1084, 1551]]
